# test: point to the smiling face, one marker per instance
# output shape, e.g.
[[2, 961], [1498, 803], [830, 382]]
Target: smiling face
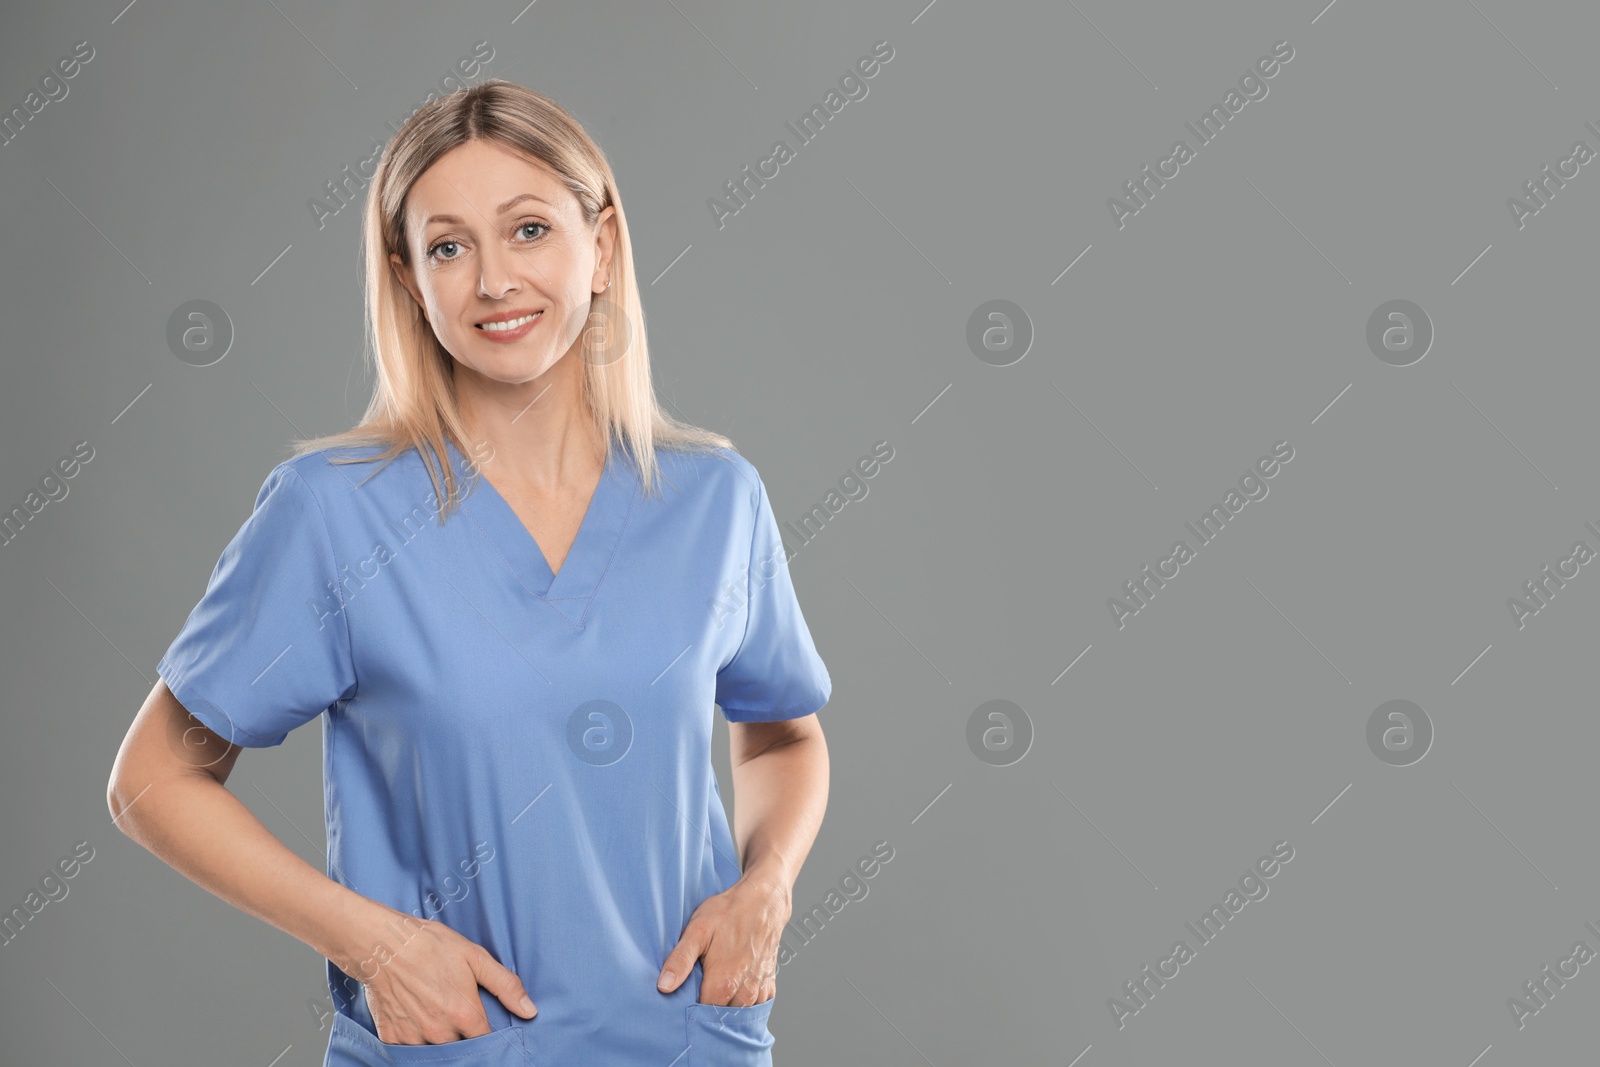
[[503, 264]]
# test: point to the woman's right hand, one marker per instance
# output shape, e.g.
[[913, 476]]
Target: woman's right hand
[[425, 992]]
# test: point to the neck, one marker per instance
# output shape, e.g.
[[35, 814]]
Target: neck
[[540, 433]]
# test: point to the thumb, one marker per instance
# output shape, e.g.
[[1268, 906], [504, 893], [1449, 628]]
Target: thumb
[[680, 961], [506, 986]]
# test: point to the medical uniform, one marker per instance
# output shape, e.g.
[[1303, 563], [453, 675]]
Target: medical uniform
[[523, 757]]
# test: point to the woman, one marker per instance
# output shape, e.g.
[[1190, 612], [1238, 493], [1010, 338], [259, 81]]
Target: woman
[[514, 657]]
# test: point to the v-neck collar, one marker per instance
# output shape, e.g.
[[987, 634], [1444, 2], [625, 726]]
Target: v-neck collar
[[571, 589]]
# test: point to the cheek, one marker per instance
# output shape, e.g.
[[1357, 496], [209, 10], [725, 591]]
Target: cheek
[[445, 297], [567, 270]]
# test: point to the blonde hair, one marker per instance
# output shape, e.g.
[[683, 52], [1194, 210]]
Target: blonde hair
[[414, 403]]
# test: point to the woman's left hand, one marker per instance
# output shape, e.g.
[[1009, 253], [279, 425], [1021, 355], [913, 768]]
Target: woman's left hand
[[736, 935]]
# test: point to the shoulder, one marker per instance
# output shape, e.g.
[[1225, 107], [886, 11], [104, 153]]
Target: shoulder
[[718, 471], [330, 478]]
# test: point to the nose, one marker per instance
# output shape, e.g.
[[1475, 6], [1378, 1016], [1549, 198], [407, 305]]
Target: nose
[[497, 276]]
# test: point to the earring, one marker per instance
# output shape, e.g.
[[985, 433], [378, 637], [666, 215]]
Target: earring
[[608, 283]]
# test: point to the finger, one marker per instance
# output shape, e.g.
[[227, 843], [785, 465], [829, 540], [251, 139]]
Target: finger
[[722, 987], [726, 982], [680, 961], [506, 986]]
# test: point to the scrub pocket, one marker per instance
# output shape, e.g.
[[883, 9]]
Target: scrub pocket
[[352, 1045], [721, 1036]]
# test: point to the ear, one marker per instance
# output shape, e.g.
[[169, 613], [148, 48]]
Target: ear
[[403, 272], [605, 243]]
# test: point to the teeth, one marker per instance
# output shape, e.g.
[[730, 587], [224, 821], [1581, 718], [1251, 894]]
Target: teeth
[[512, 324]]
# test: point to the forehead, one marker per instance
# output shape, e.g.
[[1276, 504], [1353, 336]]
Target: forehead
[[477, 182]]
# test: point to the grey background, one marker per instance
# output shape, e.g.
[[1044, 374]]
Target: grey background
[[831, 313]]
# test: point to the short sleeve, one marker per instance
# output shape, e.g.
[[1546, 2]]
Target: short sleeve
[[267, 648], [776, 672]]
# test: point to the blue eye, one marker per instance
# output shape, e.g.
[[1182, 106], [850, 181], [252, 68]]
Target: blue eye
[[433, 250], [433, 253]]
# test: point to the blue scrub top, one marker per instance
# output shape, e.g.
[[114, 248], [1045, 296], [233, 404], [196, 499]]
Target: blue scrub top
[[525, 758]]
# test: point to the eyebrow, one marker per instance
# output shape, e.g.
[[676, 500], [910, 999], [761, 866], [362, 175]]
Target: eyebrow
[[501, 210]]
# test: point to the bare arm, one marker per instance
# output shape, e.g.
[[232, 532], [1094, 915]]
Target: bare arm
[[780, 785], [168, 793], [780, 781]]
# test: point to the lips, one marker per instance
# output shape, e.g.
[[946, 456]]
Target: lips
[[510, 320]]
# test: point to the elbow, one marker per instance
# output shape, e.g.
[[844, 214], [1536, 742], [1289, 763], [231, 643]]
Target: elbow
[[117, 800], [122, 795]]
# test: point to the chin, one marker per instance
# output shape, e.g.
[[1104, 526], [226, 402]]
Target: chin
[[513, 369]]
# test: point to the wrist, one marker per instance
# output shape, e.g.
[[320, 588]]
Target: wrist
[[770, 877], [356, 927]]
